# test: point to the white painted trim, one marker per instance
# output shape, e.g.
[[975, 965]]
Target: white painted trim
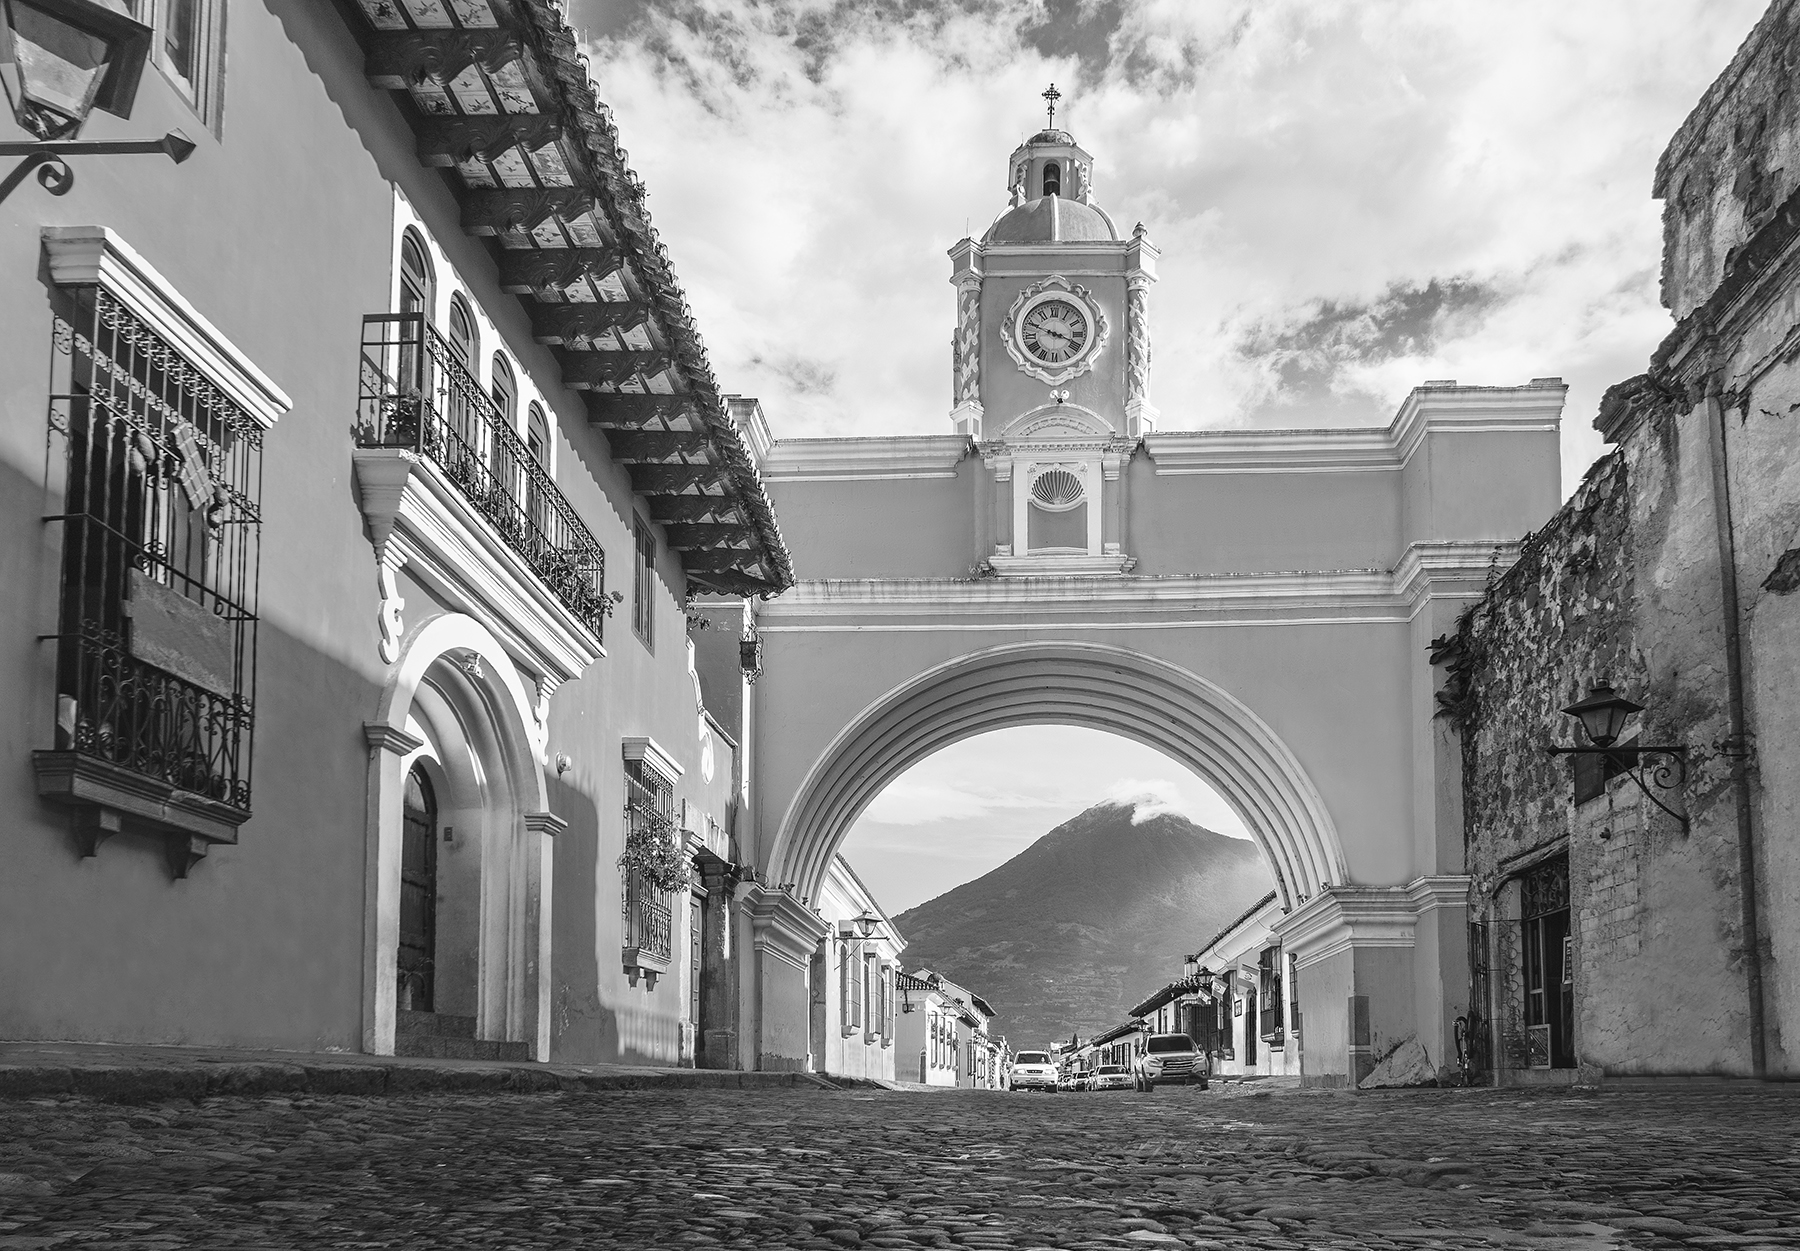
[[419, 520], [94, 255], [1427, 410], [643, 747], [850, 460]]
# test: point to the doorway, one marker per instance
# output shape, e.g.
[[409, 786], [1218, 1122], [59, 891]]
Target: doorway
[[1549, 951], [418, 894]]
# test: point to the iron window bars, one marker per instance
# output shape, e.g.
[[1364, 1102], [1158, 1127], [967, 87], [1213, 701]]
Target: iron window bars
[[649, 917], [417, 394], [161, 487]]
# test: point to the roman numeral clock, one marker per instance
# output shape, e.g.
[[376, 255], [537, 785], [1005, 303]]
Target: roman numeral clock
[[1054, 330]]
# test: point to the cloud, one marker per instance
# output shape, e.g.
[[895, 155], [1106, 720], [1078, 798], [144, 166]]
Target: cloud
[[1149, 797], [1329, 183]]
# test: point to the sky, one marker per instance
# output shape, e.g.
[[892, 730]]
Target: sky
[[1351, 197], [976, 804]]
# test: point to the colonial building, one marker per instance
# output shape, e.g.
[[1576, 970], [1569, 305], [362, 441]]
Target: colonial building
[[852, 977], [357, 471], [1244, 1006], [1636, 911], [944, 1035]]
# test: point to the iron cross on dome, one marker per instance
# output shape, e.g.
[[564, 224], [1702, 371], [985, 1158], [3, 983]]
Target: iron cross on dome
[[1050, 98]]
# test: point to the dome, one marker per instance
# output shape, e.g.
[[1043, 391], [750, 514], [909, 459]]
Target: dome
[[1051, 219]]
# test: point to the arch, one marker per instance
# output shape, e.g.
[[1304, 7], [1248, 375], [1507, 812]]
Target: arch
[[505, 390], [454, 703], [537, 435], [1110, 688]]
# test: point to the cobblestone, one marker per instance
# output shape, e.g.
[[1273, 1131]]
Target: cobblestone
[[1569, 1171]]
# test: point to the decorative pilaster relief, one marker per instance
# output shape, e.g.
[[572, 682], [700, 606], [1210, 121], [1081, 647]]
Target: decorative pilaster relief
[[966, 417], [1140, 414], [393, 627]]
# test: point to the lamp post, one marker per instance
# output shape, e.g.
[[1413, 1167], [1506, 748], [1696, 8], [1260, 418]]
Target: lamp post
[[60, 60], [1602, 716]]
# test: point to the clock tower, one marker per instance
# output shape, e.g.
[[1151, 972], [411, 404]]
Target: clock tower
[[1051, 361]]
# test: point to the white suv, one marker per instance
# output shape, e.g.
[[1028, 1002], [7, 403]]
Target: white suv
[[1170, 1060], [1033, 1070]]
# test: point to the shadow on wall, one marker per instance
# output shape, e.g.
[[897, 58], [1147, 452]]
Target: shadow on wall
[[636, 1027]]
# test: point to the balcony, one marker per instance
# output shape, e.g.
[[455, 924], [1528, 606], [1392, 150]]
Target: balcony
[[486, 525], [648, 950]]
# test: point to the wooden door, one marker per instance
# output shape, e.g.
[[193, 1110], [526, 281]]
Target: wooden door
[[418, 893]]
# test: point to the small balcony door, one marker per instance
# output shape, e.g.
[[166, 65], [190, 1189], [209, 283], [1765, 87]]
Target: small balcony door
[[418, 894]]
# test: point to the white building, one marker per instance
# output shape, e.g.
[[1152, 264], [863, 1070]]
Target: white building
[[853, 975]]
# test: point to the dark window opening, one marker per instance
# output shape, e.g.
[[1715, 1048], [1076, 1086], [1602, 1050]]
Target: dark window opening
[[643, 602], [1052, 178]]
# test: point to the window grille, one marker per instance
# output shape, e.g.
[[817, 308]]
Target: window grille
[[643, 590], [649, 808], [418, 395], [156, 634]]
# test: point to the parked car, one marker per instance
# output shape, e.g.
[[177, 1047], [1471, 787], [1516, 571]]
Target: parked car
[[1110, 1077], [1033, 1070], [1170, 1060]]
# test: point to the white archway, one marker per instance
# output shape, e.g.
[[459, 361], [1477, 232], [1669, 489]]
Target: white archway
[[1110, 688], [454, 697]]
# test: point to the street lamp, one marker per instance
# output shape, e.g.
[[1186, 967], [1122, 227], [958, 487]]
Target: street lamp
[[1602, 716], [865, 922], [60, 60]]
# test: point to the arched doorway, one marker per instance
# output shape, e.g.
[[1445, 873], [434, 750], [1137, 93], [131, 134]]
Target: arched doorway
[[458, 919]]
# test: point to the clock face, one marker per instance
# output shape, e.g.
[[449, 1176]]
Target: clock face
[[1055, 331]]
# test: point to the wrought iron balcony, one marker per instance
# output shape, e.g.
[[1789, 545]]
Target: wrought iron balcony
[[418, 396]]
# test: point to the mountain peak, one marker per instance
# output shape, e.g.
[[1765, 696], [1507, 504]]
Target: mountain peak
[[1079, 925]]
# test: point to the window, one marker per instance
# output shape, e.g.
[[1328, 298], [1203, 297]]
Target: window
[[189, 48], [696, 959], [464, 413], [877, 1012], [503, 443], [1052, 178], [416, 286], [1268, 970], [649, 920], [643, 586], [464, 338], [161, 532]]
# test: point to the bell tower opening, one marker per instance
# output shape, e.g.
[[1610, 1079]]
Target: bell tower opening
[[1052, 178]]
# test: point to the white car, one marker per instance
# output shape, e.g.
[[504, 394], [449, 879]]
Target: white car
[[1110, 1077], [1033, 1070], [1170, 1060]]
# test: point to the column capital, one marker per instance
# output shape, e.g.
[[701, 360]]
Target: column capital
[[384, 737]]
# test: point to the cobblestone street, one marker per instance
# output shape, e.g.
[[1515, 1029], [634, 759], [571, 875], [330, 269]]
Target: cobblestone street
[[890, 1169]]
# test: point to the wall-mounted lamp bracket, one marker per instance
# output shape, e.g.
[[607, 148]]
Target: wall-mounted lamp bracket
[[1634, 763], [46, 156]]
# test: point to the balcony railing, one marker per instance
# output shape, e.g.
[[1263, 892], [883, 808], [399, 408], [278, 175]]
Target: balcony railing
[[417, 395]]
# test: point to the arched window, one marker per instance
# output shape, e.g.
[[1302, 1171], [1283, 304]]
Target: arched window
[[537, 446], [1052, 178], [416, 300], [463, 336], [415, 275], [502, 456]]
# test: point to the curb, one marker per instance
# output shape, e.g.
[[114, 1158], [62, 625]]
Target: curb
[[148, 1083]]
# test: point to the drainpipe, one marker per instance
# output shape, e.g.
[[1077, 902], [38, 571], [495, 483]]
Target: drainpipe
[[1740, 739]]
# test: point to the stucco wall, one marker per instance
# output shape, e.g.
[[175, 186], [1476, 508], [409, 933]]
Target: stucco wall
[[262, 944]]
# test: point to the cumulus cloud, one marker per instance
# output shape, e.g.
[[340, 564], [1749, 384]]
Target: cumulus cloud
[[1149, 797], [1351, 197]]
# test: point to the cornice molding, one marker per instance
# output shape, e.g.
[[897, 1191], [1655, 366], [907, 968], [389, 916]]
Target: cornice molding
[[785, 927], [1536, 407], [95, 256], [649, 751], [418, 520], [384, 737], [1425, 571], [851, 460]]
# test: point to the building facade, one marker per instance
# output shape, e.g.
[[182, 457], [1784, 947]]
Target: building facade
[[1633, 913], [853, 975], [349, 683]]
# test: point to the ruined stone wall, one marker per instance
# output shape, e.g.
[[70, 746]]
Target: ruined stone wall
[[1733, 163], [1621, 586]]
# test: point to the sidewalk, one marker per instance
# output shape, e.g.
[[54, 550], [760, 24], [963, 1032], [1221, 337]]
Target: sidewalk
[[133, 1074]]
